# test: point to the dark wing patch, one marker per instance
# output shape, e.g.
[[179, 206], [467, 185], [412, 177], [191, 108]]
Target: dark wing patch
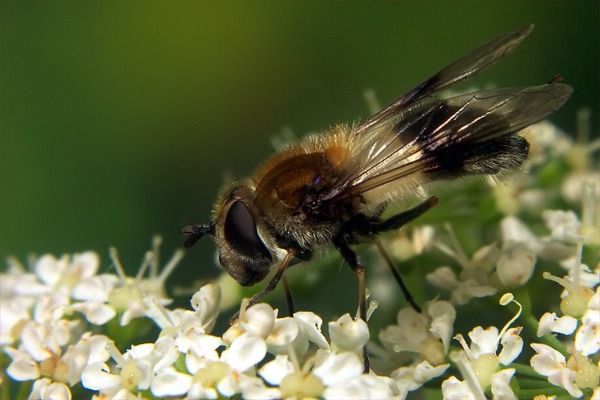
[[473, 133]]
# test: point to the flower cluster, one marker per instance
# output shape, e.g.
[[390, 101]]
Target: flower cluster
[[71, 331]]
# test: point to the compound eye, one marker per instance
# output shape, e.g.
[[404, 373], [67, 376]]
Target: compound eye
[[240, 232]]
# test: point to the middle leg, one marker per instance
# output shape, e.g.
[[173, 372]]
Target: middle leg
[[352, 260]]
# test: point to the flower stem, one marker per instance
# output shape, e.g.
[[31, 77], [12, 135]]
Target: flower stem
[[548, 391], [526, 370]]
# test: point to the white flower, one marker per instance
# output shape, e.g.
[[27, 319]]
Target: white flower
[[361, 387], [45, 389], [274, 371], [403, 247], [564, 225], [587, 338], [413, 377], [550, 322], [245, 352], [62, 369], [552, 364], [474, 277], [128, 297], [455, 389], [479, 363], [348, 334], [515, 265], [427, 334]]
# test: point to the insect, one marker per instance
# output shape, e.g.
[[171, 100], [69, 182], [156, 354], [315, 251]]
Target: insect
[[333, 188]]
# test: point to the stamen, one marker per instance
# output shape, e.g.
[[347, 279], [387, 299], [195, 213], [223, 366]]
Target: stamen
[[114, 256], [463, 343], [373, 305], [156, 242], [577, 264], [460, 255], [464, 366], [570, 286], [175, 259], [583, 126], [505, 300], [152, 303], [293, 357], [147, 259]]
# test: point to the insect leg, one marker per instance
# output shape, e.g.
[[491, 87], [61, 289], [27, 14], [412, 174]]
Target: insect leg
[[352, 260], [407, 295], [288, 296], [270, 286], [403, 218]]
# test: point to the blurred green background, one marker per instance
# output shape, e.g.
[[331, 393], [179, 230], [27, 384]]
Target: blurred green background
[[119, 120]]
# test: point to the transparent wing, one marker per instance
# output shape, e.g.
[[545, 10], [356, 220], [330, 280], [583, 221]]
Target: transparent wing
[[433, 139], [457, 71]]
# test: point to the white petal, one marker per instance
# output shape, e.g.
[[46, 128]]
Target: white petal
[[33, 341], [443, 278], [515, 265], [413, 324], [337, 368], [587, 339], [547, 361], [98, 352], [501, 389], [361, 387], [259, 320], [49, 269], [56, 391], [206, 303], [414, 376], [169, 382], [470, 288], [96, 313], [512, 345], [483, 341], [274, 371], [454, 389], [310, 324], [563, 224], [95, 288], [514, 230], [284, 332], [565, 378], [443, 315], [39, 386], [550, 322], [86, 263], [28, 285], [246, 351], [348, 334], [205, 345], [22, 367], [97, 377]]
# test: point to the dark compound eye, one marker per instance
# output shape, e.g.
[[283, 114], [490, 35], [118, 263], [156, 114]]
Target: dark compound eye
[[240, 232]]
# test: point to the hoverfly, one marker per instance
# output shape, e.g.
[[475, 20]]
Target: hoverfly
[[332, 188]]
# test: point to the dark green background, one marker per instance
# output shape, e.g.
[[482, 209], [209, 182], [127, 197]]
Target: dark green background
[[119, 120]]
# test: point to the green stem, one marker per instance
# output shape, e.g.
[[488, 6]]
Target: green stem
[[527, 383], [526, 370], [549, 391]]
